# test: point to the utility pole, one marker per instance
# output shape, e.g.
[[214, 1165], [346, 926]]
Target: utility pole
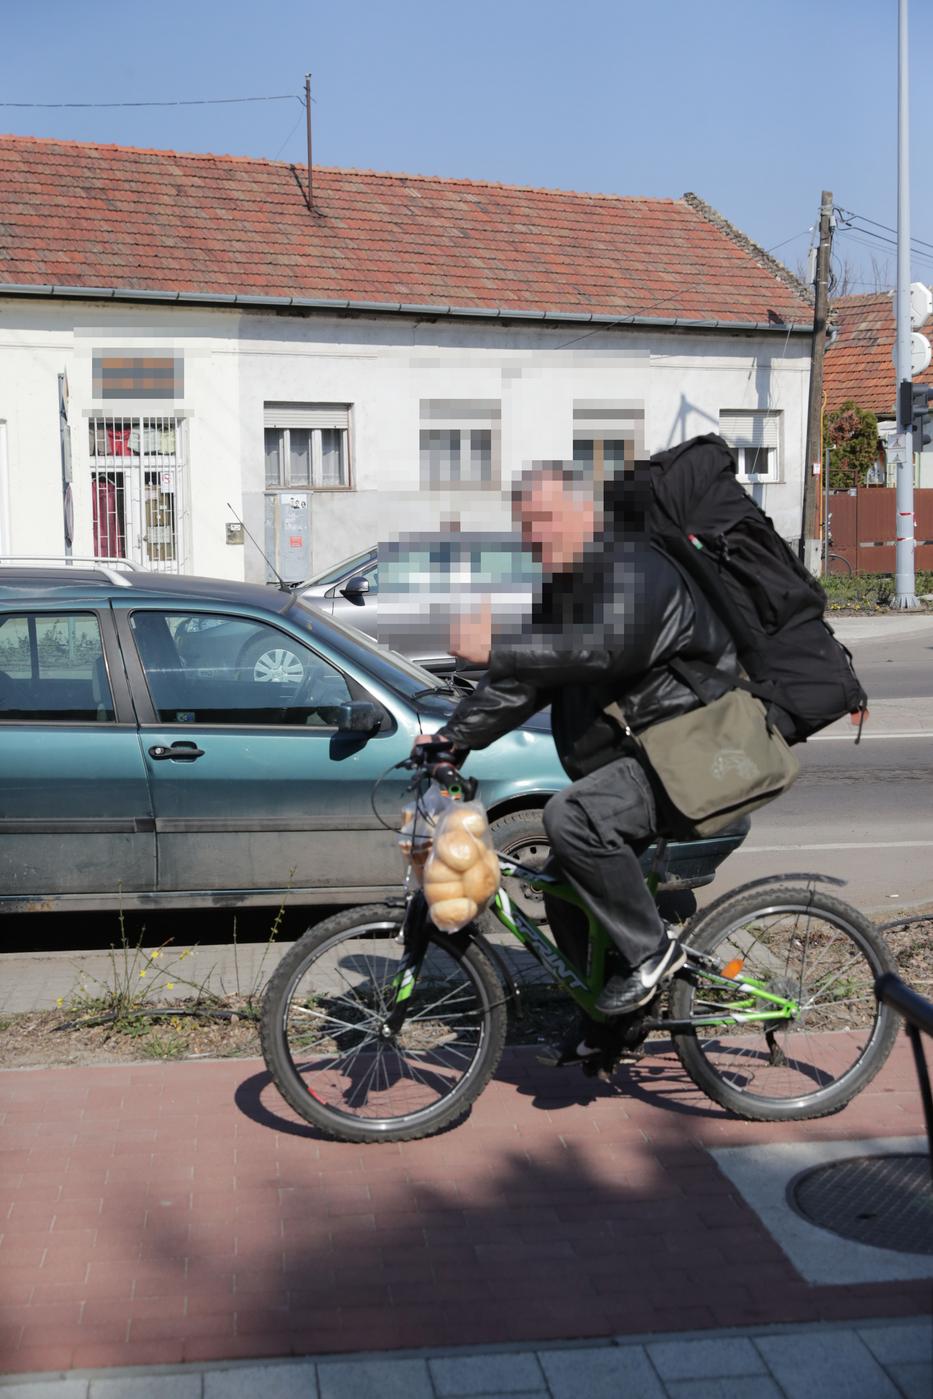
[[905, 592], [308, 119], [809, 540]]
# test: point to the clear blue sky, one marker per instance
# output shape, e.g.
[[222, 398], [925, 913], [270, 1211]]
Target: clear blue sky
[[756, 105]]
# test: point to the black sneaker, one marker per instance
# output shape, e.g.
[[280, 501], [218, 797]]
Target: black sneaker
[[623, 994], [573, 1048]]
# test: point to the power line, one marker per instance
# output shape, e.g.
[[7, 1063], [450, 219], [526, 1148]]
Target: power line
[[184, 102], [291, 133], [849, 213], [883, 247], [775, 246]]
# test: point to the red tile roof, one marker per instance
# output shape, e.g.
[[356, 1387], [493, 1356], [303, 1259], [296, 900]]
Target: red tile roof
[[859, 363], [77, 215]]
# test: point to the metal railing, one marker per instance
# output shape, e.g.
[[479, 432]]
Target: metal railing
[[917, 1014]]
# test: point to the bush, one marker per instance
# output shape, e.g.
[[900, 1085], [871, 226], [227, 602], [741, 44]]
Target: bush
[[867, 592]]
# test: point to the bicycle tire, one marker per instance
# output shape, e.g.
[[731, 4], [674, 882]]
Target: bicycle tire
[[341, 1126], [708, 932]]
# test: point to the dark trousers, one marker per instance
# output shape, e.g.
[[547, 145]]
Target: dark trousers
[[598, 827]]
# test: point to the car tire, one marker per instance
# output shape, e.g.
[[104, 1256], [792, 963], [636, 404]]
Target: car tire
[[264, 663], [522, 835]]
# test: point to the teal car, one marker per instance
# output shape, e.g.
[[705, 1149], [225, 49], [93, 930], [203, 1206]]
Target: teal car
[[170, 741]]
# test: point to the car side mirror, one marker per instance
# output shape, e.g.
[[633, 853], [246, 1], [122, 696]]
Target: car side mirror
[[359, 717], [356, 589]]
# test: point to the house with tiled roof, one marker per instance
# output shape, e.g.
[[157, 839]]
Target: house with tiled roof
[[188, 336], [859, 365]]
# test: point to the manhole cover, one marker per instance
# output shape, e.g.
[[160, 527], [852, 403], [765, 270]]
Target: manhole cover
[[886, 1201]]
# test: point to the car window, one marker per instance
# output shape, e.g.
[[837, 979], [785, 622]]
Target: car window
[[213, 668], [340, 571], [390, 668], [52, 669]]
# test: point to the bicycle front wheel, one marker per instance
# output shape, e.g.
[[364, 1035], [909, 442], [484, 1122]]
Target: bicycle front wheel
[[327, 1047], [820, 953]]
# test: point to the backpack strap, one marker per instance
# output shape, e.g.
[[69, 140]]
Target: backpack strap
[[691, 672]]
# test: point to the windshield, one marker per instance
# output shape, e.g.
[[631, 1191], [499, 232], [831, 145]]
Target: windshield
[[392, 669], [355, 564]]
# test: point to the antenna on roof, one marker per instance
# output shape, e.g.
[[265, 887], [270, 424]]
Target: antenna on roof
[[308, 117], [264, 556]]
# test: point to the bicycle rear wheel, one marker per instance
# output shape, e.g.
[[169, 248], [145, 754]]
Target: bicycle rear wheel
[[325, 1042], [807, 946]]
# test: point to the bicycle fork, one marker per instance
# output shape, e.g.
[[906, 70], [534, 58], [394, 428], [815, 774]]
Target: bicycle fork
[[414, 934]]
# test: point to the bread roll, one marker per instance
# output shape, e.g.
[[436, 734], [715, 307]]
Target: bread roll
[[479, 882], [458, 849], [467, 819], [453, 914], [436, 872], [438, 893]]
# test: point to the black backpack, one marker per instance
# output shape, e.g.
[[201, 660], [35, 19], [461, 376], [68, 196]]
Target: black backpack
[[708, 524]]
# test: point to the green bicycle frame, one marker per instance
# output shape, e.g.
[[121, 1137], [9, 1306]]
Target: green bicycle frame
[[750, 1000]]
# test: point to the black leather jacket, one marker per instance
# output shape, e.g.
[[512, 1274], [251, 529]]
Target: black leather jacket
[[604, 632]]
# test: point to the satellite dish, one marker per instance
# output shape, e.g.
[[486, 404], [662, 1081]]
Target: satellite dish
[[920, 354], [921, 306]]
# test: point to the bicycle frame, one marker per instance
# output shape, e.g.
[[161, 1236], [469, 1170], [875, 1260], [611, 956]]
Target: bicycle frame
[[751, 1001]]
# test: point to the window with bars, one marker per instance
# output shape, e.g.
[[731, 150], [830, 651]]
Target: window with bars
[[307, 445], [755, 437], [460, 443], [138, 489]]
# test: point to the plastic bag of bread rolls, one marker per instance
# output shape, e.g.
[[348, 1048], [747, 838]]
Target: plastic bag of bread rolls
[[461, 874], [419, 822]]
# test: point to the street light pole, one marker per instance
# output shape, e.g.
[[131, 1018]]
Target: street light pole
[[905, 594]]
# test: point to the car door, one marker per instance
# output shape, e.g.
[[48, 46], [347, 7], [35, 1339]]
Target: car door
[[254, 786], [75, 812]]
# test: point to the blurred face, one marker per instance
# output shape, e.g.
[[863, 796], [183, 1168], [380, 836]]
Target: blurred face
[[557, 521]]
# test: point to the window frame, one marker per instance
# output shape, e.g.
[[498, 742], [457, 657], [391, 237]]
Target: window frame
[[316, 482], [148, 712], [123, 711], [775, 473], [462, 416]]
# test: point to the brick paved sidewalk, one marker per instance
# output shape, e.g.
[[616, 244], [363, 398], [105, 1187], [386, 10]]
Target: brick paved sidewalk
[[166, 1213]]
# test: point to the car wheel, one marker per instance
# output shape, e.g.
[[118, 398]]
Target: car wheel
[[521, 834], [266, 664]]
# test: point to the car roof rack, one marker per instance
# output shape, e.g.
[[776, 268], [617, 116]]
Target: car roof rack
[[110, 568]]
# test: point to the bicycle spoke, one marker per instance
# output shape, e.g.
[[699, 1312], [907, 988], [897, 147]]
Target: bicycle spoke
[[335, 1018], [812, 959]]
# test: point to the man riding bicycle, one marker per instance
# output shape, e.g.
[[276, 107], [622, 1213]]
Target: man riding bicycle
[[612, 614]]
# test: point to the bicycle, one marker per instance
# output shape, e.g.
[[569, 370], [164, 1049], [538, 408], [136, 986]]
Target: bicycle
[[377, 1027]]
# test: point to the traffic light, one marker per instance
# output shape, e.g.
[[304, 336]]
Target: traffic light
[[914, 408]]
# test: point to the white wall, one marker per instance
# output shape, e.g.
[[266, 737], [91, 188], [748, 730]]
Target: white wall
[[236, 361]]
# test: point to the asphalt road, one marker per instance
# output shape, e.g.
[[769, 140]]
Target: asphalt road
[[863, 813]]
